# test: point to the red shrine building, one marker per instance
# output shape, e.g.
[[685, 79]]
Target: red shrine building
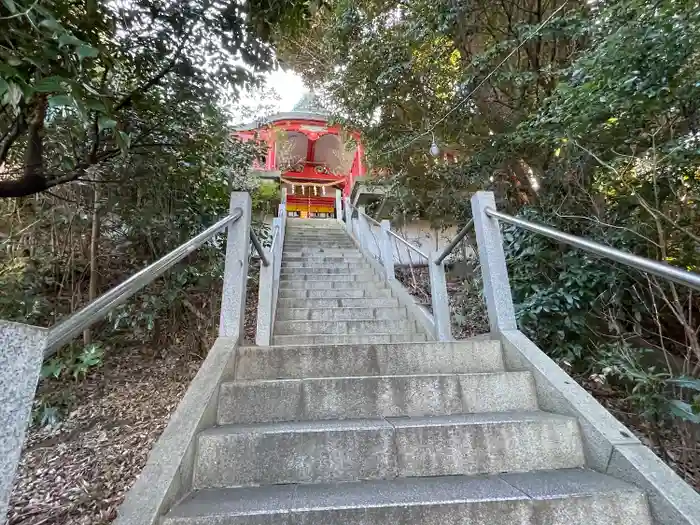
[[310, 158]]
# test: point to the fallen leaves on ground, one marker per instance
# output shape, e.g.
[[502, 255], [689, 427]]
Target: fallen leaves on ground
[[78, 472]]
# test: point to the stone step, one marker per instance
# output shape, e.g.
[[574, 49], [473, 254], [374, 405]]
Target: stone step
[[339, 339], [342, 314], [366, 302], [560, 497], [351, 276], [367, 449], [310, 243], [353, 283], [312, 252], [314, 237], [320, 267], [299, 362], [244, 402], [352, 258], [356, 327], [328, 269], [346, 293]]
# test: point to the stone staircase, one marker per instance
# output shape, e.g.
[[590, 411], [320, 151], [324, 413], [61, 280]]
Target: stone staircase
[[354, 417]]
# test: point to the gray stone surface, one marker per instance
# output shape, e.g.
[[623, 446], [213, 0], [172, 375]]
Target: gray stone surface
[[167, 475], [259, 401], [297, 362], [337, 283], [672, 500], [441, 358], [498, 392], [499, 301], [582, 496], [415, 311], [346, 293], [358, 327], [326, 302], [342, 314], [558, 392], [453, 500], [486, 444], [439, 299], [235, 268], [367, 397], [386, 247], [21, 354], [306, 268], [339, 339], [300, 452], [266, 293]]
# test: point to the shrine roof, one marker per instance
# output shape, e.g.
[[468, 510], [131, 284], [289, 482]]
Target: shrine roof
[[310, 116]]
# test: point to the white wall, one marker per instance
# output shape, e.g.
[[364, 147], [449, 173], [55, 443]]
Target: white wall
[[422, 236]]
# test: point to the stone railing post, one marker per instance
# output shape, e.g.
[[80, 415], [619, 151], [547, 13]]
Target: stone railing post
[[439, 298], [363, 228], [348, 216], [263, 329], [267, 289], [338, 206], [387, 250], [21, 355], [492, 259], [233, 294]]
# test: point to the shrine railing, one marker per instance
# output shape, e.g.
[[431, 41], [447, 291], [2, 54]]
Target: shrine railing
[[358, 224]]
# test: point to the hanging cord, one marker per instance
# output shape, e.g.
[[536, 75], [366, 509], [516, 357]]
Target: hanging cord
[[465, 99]]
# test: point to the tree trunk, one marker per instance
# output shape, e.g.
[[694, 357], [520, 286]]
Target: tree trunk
[[94, 242]]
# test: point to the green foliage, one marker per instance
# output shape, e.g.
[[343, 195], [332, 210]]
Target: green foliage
[[81, 85], [73, 363], [590, 127]]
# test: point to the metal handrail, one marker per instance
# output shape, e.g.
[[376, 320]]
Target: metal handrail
[[67, 329], [374, 221], [657, 268], [460, 235], [398, 237], [259, 248]]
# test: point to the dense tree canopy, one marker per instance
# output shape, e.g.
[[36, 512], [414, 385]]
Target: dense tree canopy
[[83, 82], [580, 114]]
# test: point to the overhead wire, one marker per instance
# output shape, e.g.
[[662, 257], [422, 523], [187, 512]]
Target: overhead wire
[[485, 79]]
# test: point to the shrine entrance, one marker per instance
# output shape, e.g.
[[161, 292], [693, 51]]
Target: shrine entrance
[[309, 200]]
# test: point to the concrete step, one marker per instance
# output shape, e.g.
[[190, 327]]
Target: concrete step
[[320, 239], [311, 252], [299, 362], [563, 497], [345, 293], [313, 243], [339, 339], [334, 267], [243, 402], [353, 282], [314, 237], [365, 302], [351, 276], [367, 449], [341, 314], [356, 327], [328, 269], [352, 258]]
